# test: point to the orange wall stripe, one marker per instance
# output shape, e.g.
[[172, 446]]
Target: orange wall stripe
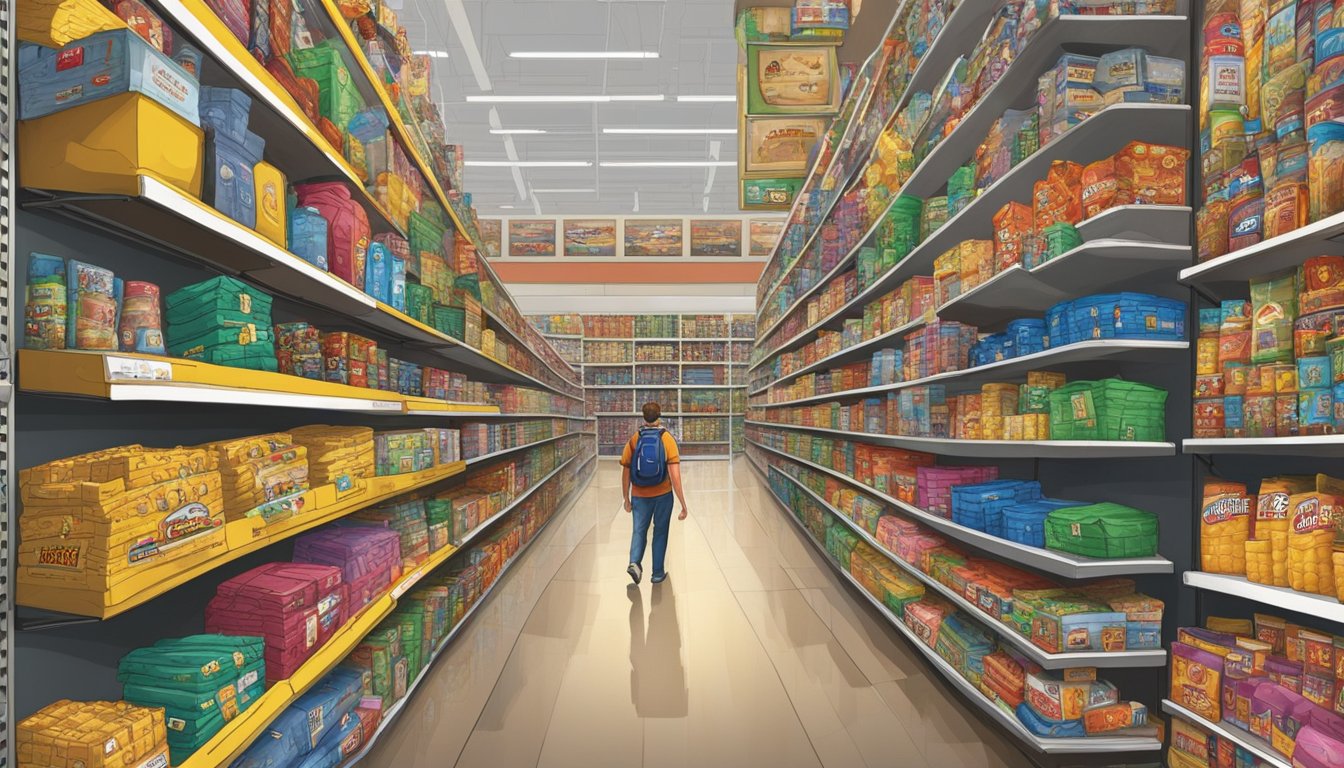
[[566, 271]]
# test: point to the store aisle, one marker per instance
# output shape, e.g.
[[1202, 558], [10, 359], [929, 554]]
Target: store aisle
[[752, 653]]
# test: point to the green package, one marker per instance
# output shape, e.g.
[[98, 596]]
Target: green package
[[1102, 530], [420, 303], [1110, 409], [1273, 314], [218, 294], [338, 96]]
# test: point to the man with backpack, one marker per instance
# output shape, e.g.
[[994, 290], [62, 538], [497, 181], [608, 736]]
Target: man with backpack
[[651, 474]]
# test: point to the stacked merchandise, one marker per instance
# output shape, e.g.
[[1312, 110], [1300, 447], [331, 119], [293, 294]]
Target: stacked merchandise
[[705, 401], [1269, 677], [609, 326], [1042, 408], [656, 374], [90, 734], [558, 325], [263, 475], [612, 377], [704, 375], [84, 525], [1070, 703], [666, 398], [1192, 746], [973, 497], [743, 327], [222, 321], [415, 450], [607, 352], [704, 327], [337, 456], [1268, 118], [657, 352], [614, 433], [371, 558], [200, 682], [1286, 535], [322, 727], [704, 352], [656, 326], [704, 430], [1273, 366], [480, 439], [611, 400]]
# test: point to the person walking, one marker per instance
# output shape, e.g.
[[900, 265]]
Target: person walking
[[651, 473]]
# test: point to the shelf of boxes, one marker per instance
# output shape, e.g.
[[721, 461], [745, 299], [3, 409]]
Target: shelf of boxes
[[1161, 35], [239, 733], [1117, 350], [998, 449], [1091, 745], [1049, 561], [1246, 740]]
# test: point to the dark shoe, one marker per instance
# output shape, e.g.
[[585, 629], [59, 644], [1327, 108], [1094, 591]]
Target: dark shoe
[[658, 579], [635, 572]]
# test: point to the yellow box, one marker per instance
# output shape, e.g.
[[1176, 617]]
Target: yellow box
[[270, 203], [104, 145]]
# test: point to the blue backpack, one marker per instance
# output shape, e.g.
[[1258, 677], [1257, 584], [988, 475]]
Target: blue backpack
[[648, 464]]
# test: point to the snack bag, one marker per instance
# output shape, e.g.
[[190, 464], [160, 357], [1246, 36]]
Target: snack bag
[[1311, 536], [1224, 527], [1099, 187], [1150, 174], [92, 296]]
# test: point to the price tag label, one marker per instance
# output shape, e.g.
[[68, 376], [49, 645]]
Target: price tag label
[[136, 369], [386, 405]]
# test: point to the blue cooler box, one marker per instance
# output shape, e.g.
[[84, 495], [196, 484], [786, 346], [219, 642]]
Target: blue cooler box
[[980, 506], [1026, 337], [1025, 523], [1127, 316], [1058, 327], [230, 184], [101, 65]]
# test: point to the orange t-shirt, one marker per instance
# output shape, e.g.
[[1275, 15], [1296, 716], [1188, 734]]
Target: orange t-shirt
[[673, 457]]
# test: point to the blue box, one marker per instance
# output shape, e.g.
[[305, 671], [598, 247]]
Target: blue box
[[1025, 523], [1125, 316], [1057, 325], [284, 741], [308, 236], [101, 65], [229, 182], [377, 277], [980, 506], [1026, 337], [989, 349]]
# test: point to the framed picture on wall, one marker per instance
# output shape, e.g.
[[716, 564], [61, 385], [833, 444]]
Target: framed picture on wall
[[647, 238], [763, 235], [781, 146], [532, 237], [590, 237], [716, 237], [792, 80], [490, 236]]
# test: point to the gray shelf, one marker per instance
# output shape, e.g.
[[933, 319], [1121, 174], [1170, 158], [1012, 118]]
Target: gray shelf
[[1118, 350], [1283, 598], [1058, 563], [1227, 275], [1093, 267], [999, 449], [1308, 445]]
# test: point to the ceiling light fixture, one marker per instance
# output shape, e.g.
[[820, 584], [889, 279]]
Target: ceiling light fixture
[[529, 163], [515, 131], [583, 55], [670, 164], [562, 191], [507, 207], [566, 99], [708, 98], [670, 131], [432, 54]]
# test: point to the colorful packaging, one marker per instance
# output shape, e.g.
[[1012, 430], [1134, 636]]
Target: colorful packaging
[[1225, 525]]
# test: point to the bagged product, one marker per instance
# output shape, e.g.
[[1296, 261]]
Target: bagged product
[[1311, 536], [92, 302], [1225, 525], [1150, 174], [1102, 530], [348, 230], [93, 734], [141, 327], [44, 312]]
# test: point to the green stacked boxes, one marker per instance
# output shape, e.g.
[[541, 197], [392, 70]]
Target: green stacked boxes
[[451, 320], [202, 682], [840, 542], [424, 236], [222, 321], [432, 603], [420, 303], [339, 99], [381, 656], [1102, 530], [899, 232], [439, 518], [1110, 409], [411, 620]]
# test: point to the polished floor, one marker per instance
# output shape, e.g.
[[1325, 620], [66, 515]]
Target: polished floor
[[752, 653]]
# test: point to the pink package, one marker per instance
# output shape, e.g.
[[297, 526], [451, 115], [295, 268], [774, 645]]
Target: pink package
[[369, 557], [235, 14], [296, 607], [348, 230], [924, 619], [1315, 749], [892, 529], [1268, 699], [911, 549], [934, 485]]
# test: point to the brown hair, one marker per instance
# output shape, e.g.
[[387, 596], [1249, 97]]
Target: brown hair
[[652, 412]]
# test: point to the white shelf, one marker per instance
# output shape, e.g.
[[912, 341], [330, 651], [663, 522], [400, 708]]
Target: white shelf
[[525, 446], [1229, 274], [519, 336], [1305, 445], [1162, 35], [1245, 739], [1093, 267], [1119, 350], [998, 449], [1320, 606], [1059, 563], [861, 351], [427, 665], [1094, 745], [561, 335]]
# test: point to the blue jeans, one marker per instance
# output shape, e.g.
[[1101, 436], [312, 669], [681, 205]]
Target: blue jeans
[[656, 510]]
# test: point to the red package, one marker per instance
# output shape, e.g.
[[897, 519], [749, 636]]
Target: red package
[[295, 607], [145, 23], [304, 89], [1098, 187], [1059, 196], [348, 230], [1012, 232], [1150, 174]]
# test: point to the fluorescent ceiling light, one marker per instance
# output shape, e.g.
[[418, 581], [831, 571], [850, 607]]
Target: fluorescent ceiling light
[[671, 164], [710, 97], [432, 54], [671, 131], [561, 191], [512, 131], [584, 54], [529, 163], [566, 99]]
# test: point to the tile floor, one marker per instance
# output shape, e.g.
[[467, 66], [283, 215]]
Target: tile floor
[[752, 653]]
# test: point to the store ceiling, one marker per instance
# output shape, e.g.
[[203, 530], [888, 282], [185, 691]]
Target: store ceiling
[[697, 56]]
